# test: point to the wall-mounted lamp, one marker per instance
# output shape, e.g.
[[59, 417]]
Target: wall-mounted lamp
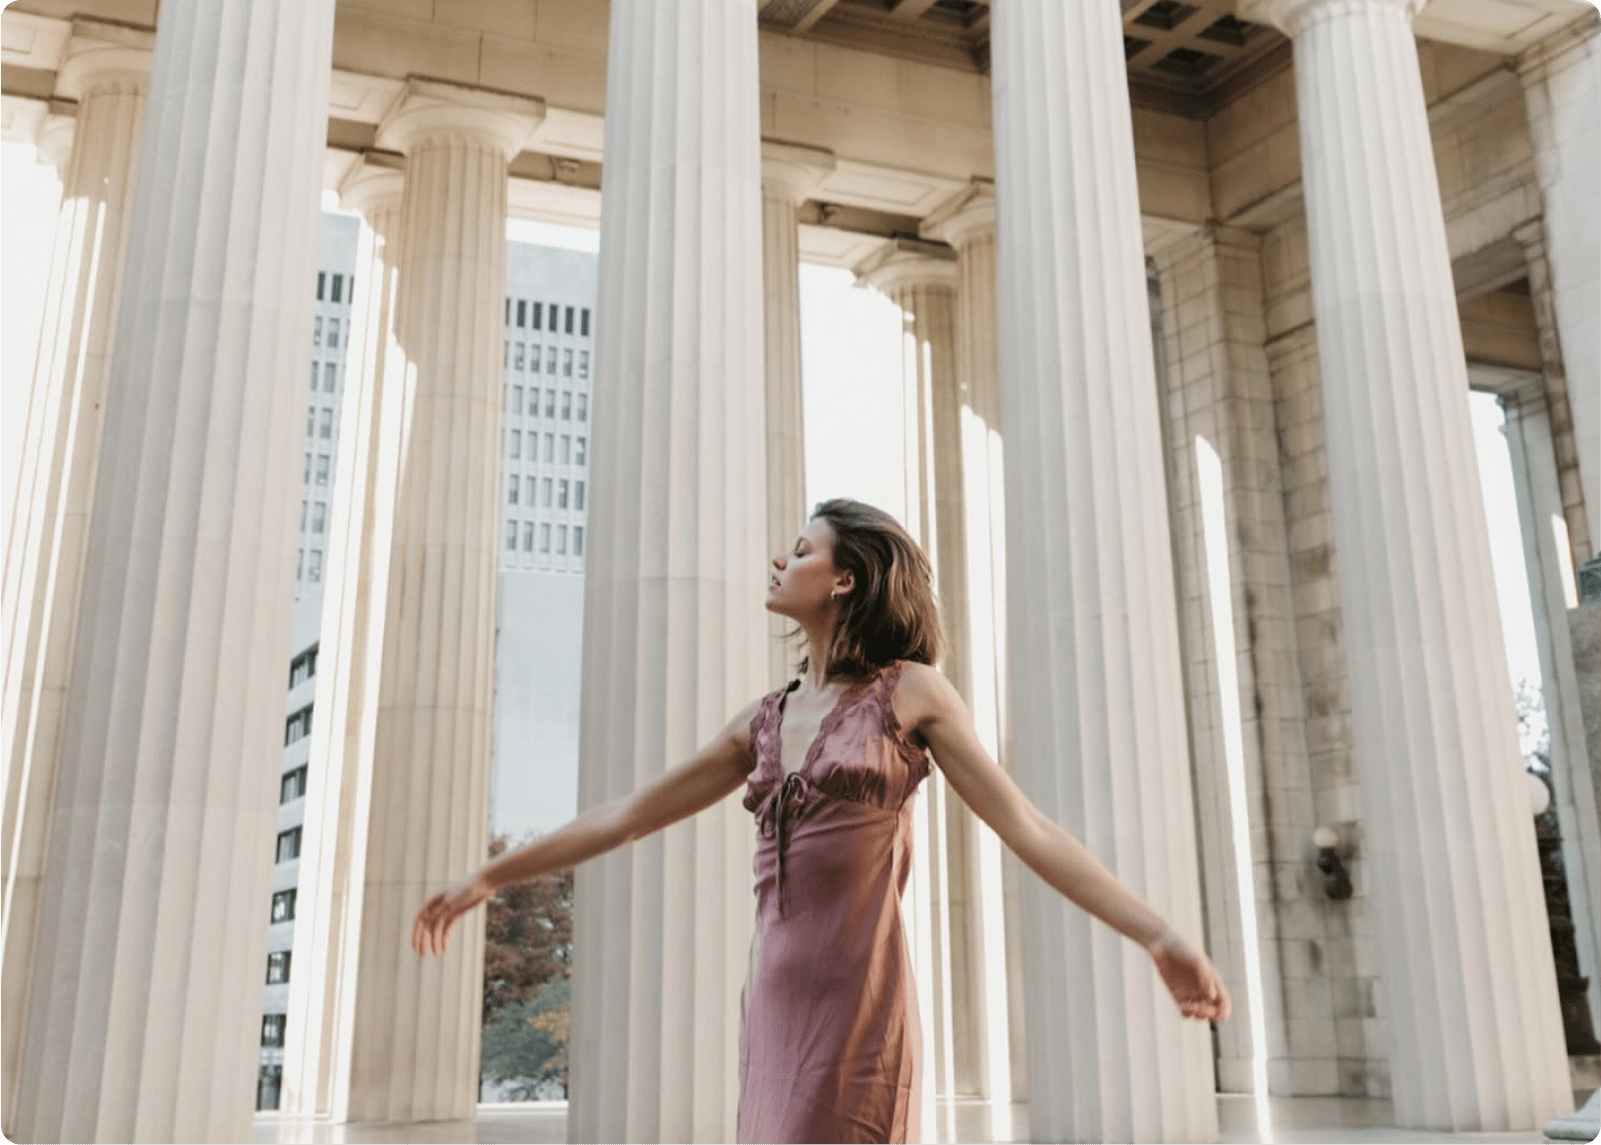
[[1336, 879]]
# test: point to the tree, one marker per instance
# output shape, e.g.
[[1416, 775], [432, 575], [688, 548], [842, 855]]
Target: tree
[[528, 937], [1534, 729]]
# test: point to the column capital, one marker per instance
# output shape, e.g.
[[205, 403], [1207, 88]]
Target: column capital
[[368, 188], [1291, 16], [793, 170], [54, 140], [102, 55], [908, 262], [965, 215], [425, 108]]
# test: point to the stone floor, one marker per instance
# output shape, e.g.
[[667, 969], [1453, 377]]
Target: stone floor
[[1293, 1121]]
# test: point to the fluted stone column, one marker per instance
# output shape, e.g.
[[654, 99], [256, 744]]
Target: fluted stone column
[[986, 971], [106, 69], [1096, 697], [789, 174], [429, 818], [144, 995], [920, 279], [1562, 88], [320, 1021], [675, 636], [1468, 985]]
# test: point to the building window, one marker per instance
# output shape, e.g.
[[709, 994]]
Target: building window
[[550, 403], [316, 330], [508, 310], [569, 320], [533, 367], [316, 566], [311, 420], [566, 449], [316, 370], [283, 905], [298, 726], [304, 508], [303, 667], [269, 1082], [550, 359], [583, 322], [567, 405], [519, 357], [547, 492], [513, 484], [522, 312], [550, 446], [288, 845], [580, 450], [322, 281], [325, 426], [272, 1029], [517, 401], [333, 295], [293, 785], [539, 308], [333, 325], [330, 376], [505, 352], [528, 536], [567, 363], [516, 444], [578, 540], [544, 538], [277, 967], [561, 539], [528, 490], [583, 361], [578, 496], [307, 475], [319, 516], [511, 536], [300, 563], [323, 463], [583, 407], [561, 494]]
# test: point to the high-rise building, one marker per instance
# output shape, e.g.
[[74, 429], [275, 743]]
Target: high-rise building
[[545, 476]]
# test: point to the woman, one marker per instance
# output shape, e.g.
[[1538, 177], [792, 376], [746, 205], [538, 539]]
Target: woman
[[829, 1032]]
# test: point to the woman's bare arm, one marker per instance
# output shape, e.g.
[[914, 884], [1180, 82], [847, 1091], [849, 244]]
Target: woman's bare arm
[[932, 706], [712, 773]]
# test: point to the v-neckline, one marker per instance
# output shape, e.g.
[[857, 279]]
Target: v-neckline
[[822, 728]]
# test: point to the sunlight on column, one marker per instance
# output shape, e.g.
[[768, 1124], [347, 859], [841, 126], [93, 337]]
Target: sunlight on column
[[1559, 533], [939, 793], [1214, 525]]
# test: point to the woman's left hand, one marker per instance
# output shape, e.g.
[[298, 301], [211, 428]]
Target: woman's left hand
[[1191, 978]]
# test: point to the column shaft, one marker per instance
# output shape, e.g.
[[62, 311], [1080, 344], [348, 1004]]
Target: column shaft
[[320, 1020], [61, 455], [151, 934], [429, 811], [1095, 692], [1469, 989], [786, 431], [675, 636]]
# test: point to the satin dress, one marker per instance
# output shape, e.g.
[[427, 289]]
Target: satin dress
[[830, 1042]]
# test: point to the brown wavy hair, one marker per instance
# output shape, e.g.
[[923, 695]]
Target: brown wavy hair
[[890, 614]]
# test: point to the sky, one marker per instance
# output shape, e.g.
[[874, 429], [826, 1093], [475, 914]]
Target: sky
[[850, 350]]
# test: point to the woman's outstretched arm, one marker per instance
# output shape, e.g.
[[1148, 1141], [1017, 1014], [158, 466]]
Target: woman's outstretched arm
[[925, 700], [715, 771]]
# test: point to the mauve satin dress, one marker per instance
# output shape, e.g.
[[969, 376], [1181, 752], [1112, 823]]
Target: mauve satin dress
[[829, 1033]]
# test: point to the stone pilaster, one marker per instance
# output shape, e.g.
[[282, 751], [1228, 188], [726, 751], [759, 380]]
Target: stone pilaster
[[675, 635], [106, 70], [1562, 87], [320, 1020], [789, 174], [983, 900], [1468, 983], [429, 803], [1095, 691], [151, 930]]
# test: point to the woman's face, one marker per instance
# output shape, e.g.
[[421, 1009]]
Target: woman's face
[[803, 578]]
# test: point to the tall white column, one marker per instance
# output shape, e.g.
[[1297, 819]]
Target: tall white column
[[144, 1001], [789, 174], [106, 70], [1468, 985], [1562, 88], [429, 800], [320, 1021], [920, 279], [988, 999], [675, 635], [1095, 692]]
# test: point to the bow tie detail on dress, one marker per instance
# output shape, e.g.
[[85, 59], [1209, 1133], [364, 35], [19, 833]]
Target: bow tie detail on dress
[[776, 815]]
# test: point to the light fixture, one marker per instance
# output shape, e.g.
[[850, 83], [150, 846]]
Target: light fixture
[[1336, 879]]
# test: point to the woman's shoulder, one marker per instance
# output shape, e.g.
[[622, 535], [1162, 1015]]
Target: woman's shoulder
[[921, 693]]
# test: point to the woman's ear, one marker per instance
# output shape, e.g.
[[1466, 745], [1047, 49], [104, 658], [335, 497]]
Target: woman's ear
[[845, 584]]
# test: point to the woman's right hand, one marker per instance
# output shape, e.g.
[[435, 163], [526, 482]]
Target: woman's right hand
[[431, 930]]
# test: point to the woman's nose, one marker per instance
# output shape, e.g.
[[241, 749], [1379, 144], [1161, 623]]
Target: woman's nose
[[778, 561]]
